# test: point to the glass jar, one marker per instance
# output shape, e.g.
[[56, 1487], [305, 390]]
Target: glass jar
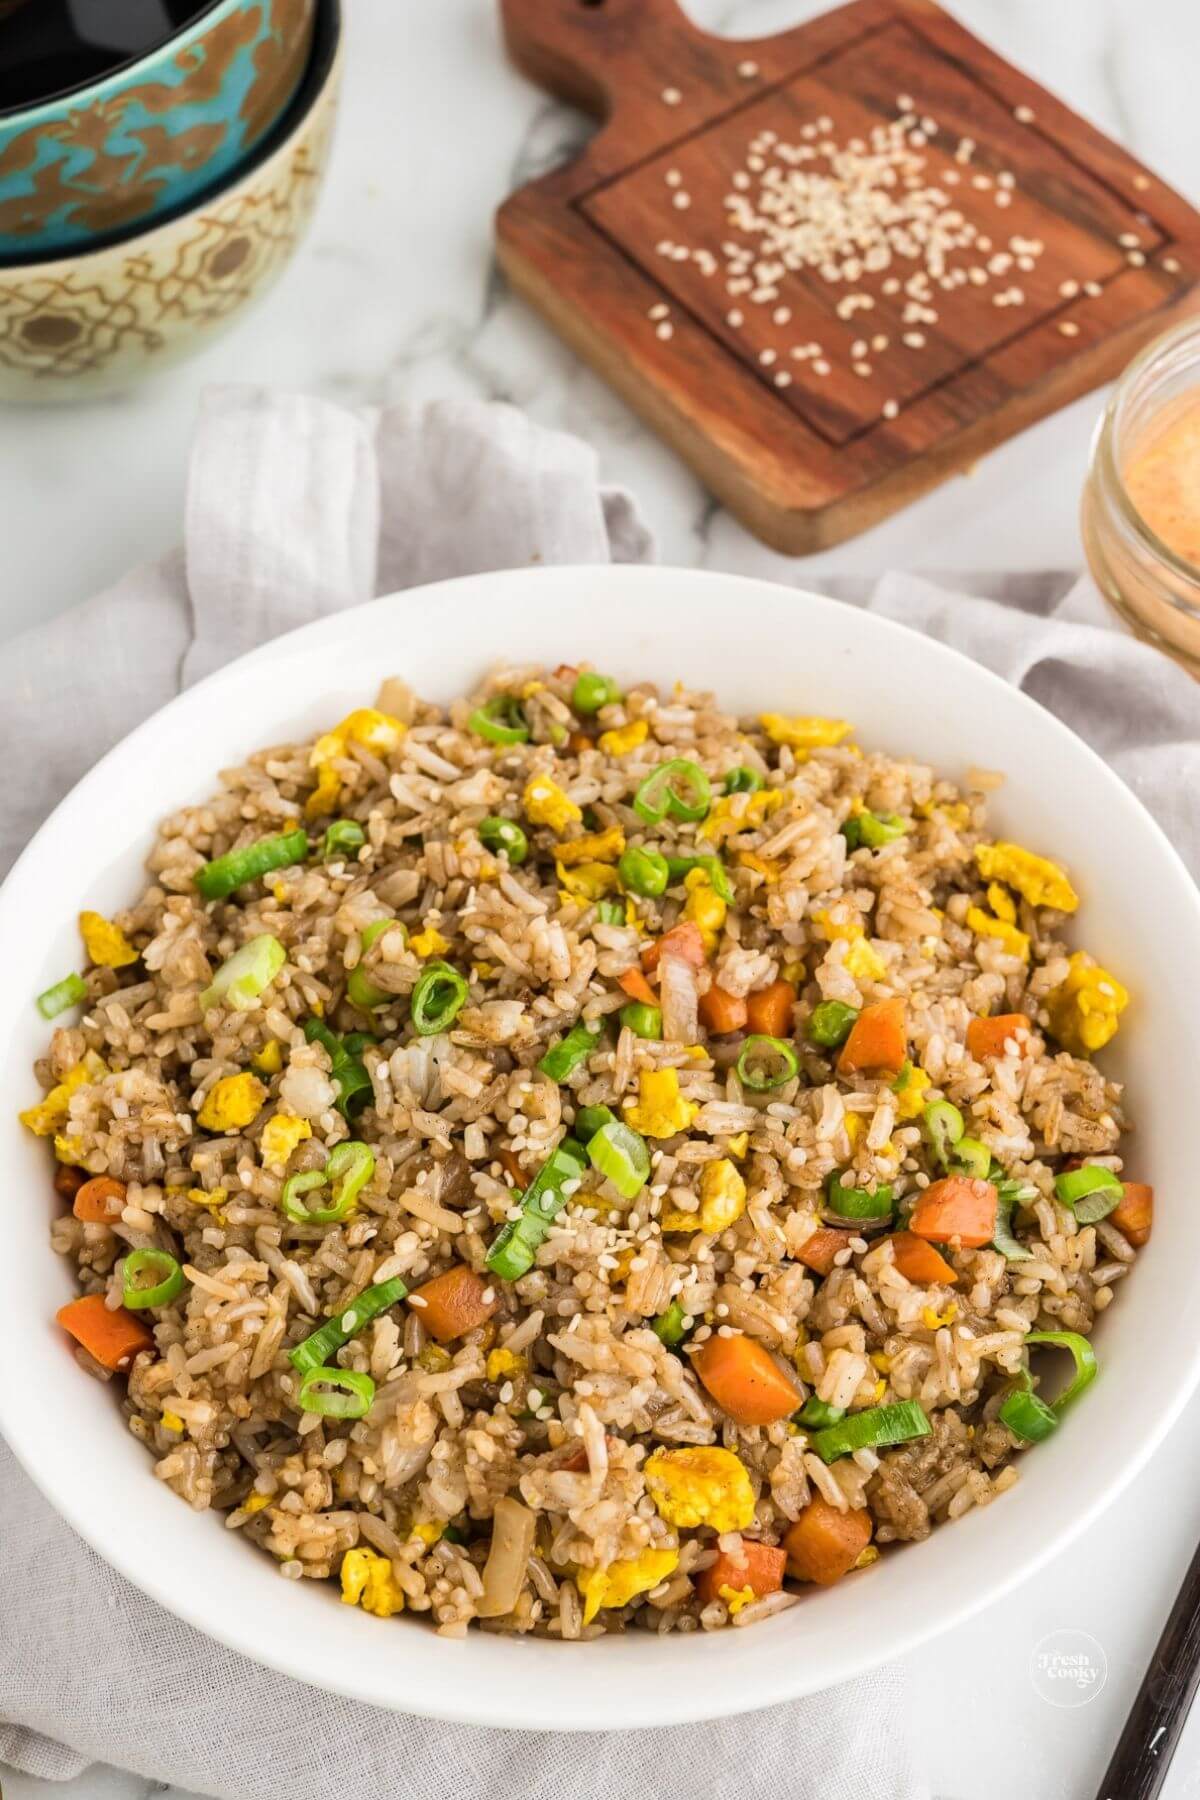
[[1155, 589]]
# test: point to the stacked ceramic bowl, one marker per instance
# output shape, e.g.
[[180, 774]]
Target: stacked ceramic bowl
[[158, 166]]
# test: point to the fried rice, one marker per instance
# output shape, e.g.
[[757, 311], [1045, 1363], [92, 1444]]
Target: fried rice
[[635, 1432]]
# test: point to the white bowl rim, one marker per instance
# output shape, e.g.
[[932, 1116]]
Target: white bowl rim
[[373, 1678]]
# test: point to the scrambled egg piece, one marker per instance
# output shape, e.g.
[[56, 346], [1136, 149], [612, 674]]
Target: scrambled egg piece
[[984, 925], [624, 738], [1002, 903], [932, 1319], [256, 1503], [425, 1529], [105, 942], [910, 1088], [804, 734], [213, 1200], [280, 1137], [855, 1125], [596, 846], [739, 1144], [502, 1363], [861, 960], [701, 1485], [269, 1060], [374, 730], [50, 1114], [674, 1218], [232, 1103], [660, 1109], [735, 1598], [589, 881], [881, 1361], [546, 804], [1035, 878], [1085, 1010], [722, 1196], [429, 942], [760, 865], [705, 906], [623, 1581], [173, 1422], [739, 812], [367, 1581]]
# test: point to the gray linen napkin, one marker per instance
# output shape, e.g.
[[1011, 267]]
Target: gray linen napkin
[[297, 508]]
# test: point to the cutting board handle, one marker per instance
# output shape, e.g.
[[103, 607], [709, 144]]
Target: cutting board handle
[[593, 52]]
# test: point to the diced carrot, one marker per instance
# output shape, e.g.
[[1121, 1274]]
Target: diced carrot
[[578, 742], [113, 1336], [565, 672], [745, 1380], [956, 1207], [684, 940], [757, 1566], [824, 1544], [1133, 1215], [510, 1162], [920, 1262], [634, 983], [877, 1041], [721, 1012], [818, 1251], [99, 1201], [453, 1303], [68, 1180], [769, 1009], [987, 1037]]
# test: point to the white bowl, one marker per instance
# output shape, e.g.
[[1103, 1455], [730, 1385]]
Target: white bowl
[[758, 646]]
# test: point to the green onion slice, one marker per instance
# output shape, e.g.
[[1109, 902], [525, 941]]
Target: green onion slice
[[227, 873], [830, 1023], [972, 1157], [643, 1020], [857, 1202], [817, 1415], [348, 1071], [72, 990], [872, 829], [1008, 1192], [437, 999], [766, 1063], [671, 1327], [620, 1155], [336, 1393], [872, 1429], [1091, 1192], [562, 1059], [592, 691], [512, 1253], [610, 912], [500, 720], [1028, 1417], [743, 781], [644, 872], [328, 1339], [360, 991], [943, 1126], [679, 867], [342, 839], [1083, 1356], [504, 834], [166, 1279], [350, 1167], [245, 975], [589, 1119], [679, 787]]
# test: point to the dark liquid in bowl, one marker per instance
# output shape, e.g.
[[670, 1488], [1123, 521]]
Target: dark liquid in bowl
[[48, 47]]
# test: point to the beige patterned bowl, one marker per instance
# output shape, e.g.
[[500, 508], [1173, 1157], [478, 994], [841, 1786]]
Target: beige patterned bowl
[[92, 323]]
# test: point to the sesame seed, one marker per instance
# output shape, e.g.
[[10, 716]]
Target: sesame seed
[[1024, 115], [1093, 288], [820, 367], [1129, 240], [782, 315], [861, 368], [673, 178], [488, 1295], [1141, 182], [905, 102], [879, 342], [766, 358], [747, 69], [735, 318], [783, 379], [914, 339], [665, 330], [890, 409], [1068, 289], [506, 1393], [418, 1300], [681, 200], [1135, 258], [1171, 265], [661, 311], [671, 96]]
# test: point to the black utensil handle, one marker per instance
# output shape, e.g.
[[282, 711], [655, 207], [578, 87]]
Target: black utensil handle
[[1143, 1755]]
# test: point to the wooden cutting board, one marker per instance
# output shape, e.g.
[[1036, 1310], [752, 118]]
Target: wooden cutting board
[[835, 266]]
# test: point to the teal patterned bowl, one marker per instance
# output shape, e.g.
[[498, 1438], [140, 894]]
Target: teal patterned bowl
[[151, 135]]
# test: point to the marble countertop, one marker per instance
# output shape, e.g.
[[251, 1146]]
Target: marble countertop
[[395, 295]]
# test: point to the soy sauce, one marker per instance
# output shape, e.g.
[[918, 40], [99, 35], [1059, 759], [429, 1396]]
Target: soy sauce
[[49, 47]]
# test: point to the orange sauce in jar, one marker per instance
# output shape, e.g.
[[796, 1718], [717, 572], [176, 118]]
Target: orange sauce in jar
[[1162, 476]]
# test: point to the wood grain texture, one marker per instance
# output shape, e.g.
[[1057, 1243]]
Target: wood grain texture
[[816, 461], [1143, 1755]]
